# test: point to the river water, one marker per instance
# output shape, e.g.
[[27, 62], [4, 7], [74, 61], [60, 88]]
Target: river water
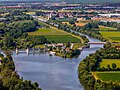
[[52, 73]]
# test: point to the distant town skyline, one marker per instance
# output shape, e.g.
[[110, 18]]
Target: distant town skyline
[[75, 1]]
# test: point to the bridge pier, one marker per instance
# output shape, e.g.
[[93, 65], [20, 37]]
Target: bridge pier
[[17, 51], [27, 50]]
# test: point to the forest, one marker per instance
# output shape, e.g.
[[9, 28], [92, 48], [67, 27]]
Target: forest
[[10, 80], [14, 30]]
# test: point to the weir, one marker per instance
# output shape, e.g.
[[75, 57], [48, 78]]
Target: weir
[[30, 51]]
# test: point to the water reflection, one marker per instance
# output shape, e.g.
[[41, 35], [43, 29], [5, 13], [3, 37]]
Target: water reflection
[[52, 73]]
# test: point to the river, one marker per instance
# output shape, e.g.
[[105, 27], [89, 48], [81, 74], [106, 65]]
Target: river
[[52, 73]]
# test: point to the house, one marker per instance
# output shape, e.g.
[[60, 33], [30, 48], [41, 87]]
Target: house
[[59, 45], [2, 19], [67, 49], [117, 47], [0, 61]]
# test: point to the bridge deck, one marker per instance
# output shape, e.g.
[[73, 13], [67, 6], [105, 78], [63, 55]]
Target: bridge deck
[[97, 43]]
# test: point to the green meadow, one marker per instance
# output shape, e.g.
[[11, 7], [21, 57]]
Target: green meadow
[[105, 28], [111, 35], [47, 31], [53, 34], [108, 76], [30, 13], [57, 36], [64, 20], [77, 45], [63, 38], [105, 62]]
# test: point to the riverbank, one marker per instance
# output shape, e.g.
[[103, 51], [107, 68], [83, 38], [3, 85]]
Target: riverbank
[[61, 72], [10, 79], [69, 54], [94, 76]]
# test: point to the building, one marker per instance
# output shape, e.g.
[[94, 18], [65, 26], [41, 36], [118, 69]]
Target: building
[[2, 19], [110, 15]]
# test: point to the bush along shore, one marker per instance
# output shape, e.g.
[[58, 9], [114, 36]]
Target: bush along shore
[[91, 64], [10, 80]]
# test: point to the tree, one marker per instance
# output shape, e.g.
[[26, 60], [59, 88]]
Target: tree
[[8, 42], [114, 66], [108, 66], [72, 22], [68, 44]]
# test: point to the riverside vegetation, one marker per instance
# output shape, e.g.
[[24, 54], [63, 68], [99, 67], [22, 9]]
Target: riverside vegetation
[[14, 33], [10, 80], [91, 64]]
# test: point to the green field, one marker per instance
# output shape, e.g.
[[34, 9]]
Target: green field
[[53, 34], [115, 44], [69, 10], [111, 35], [43, 24], [63, 38], [77, 45], [33, 13], [107, 76], [64, 20], [1, 24], [105, 62], [47, 31], [104, 28], [57, 36], [40, 46]]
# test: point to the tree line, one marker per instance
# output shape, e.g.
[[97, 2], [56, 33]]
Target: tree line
[[14, 32], [110, 24], [10, 80], [91, 64]]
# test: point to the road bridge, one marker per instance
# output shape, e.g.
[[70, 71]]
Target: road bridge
[[96, 42]]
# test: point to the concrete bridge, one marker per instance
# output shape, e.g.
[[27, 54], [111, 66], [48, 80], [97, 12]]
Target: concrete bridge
[[96, 42]]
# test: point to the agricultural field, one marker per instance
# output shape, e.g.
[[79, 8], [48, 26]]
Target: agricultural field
[[43, 24], [107, 75], [105, 62], [47, 31], [46, 10], [104, 28], [81, 24], [33, 13], [66, 23], [57, 36], [1, 24], [111, 35], [77, 45], [40, 46], [63, 20], [116, 44], [53, 34], [42, 17], [69, 10], [63, 38]]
